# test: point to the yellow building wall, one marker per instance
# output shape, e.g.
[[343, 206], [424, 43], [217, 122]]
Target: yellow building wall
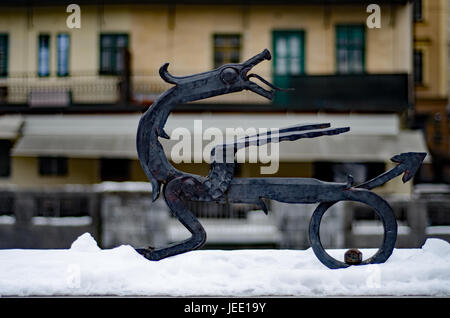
[[25, 172], [24, 27], [183, 35], [163, 35]]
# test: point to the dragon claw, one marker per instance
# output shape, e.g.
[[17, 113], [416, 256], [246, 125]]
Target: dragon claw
[[146, 252]]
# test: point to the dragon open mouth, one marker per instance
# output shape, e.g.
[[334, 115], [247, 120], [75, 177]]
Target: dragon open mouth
[[248, 65], [269, 84]]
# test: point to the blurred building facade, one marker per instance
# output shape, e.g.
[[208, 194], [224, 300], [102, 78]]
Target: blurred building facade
[[335, 62], [71, 98], [431, 83]]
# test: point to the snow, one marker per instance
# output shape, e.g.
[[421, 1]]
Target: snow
[[376, 228], [127, 186], [85, 269], [436, 230], [62, 221], [7, 219]]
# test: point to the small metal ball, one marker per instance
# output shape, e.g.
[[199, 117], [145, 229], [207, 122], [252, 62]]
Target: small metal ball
[[353, 257]]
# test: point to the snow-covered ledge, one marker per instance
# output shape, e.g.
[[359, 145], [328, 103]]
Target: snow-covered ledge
[[85, 269]]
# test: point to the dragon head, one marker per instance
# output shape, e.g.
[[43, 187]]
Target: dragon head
[[228, 78]]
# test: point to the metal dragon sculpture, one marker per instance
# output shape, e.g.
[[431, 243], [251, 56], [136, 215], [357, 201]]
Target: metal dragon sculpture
[[220, 186]]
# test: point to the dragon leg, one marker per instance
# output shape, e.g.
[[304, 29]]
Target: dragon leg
[[173, 193]]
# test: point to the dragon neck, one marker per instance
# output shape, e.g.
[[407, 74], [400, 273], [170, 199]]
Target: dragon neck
[[151, 154]]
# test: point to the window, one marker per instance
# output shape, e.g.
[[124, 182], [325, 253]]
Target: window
[[54, 205], [5, 158], [227, 49], [63, 47], [53, 166], [115, 169], [44, 55], [112, 53], [417, 11], [418, 67], [3, 55], [288, 60], [350, 49], [288, 52]]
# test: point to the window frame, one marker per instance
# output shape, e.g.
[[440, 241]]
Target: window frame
[[61, 169], [418, 11], [302, 35], [6, 72], [48, 55], [58, 54], [5, 158], [337, 47], [105, 174], [239, 48], [422, 67], [113, 69]]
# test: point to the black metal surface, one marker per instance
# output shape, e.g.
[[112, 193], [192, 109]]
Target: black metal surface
[[219, 186]]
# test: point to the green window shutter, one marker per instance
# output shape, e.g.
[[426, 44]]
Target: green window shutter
[[289, 53], [350, 49], [288, 60], [4, 45]]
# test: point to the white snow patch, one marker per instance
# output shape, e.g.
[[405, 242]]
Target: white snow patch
[[126, 186], [85, 243], [85, 269], [62, 221], [7, 219], [437, 230], [437, 247]]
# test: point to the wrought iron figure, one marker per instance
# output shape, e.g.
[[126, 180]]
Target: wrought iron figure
[[219, 185]]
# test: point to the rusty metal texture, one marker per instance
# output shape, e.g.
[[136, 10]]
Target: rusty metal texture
[[220, 186]]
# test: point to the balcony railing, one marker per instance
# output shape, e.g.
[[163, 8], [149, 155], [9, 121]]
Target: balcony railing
[[83, 88], [346, 92], [362, 92]]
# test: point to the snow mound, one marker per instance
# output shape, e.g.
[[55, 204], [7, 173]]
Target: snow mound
[[437, 247], [85, 269], [85, 243]]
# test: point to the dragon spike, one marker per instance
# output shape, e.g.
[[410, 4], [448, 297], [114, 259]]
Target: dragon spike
[[155, 189], [263, 206], [162, 133], [411, 162], [166, 76]]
